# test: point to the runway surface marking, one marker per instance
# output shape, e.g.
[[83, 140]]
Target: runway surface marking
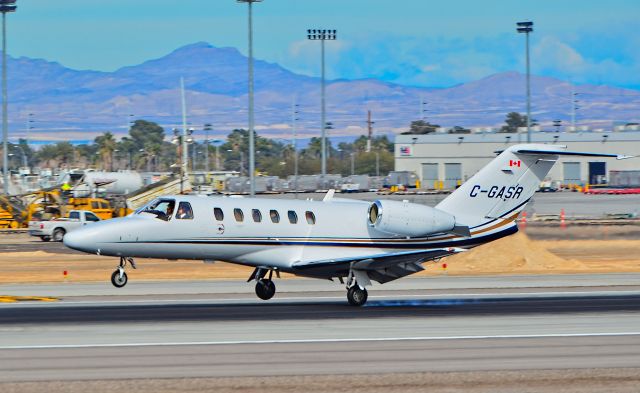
[[297, 298], [327, 340], [15, 299]]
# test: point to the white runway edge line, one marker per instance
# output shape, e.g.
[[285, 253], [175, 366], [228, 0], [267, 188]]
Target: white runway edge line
[[321, 340]]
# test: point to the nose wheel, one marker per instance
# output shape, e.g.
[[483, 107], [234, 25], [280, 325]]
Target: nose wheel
[[265, 287], [119, 276]]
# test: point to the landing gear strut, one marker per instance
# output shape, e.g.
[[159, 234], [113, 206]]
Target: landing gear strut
[[265, 287], [357, 294], [119, 276]]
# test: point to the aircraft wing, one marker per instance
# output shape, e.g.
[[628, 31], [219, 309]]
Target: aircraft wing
[[381, 267]]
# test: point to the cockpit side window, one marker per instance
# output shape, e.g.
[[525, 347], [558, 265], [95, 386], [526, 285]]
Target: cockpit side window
[[161, 208], [184, 211]]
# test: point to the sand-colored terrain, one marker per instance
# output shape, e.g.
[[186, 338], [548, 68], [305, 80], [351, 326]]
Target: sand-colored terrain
[[515, 254]]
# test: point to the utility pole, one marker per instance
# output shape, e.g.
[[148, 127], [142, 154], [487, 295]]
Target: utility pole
[[207, 128], [194, 151], [353, 163], [574, 107], [369, 130]]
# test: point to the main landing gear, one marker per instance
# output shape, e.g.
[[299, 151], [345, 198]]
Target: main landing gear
[[265, 287], [357, 296], [119, 276], [356, 292]]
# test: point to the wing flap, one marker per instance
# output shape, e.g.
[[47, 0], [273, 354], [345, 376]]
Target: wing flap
[[381, 267]]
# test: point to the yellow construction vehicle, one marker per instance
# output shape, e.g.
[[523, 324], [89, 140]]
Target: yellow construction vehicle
[[100, 207]]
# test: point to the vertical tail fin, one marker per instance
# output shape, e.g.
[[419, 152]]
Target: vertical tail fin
[[501, 189]]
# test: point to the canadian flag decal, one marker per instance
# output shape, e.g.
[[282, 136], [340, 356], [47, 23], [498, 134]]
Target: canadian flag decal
[[514, 163]]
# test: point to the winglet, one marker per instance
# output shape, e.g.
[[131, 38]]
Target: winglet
[[329, 196]]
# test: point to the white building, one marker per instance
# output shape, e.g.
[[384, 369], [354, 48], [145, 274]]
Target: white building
[[453, 158]]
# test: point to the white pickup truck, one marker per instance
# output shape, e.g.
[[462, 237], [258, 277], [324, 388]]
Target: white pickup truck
[[56, 229]]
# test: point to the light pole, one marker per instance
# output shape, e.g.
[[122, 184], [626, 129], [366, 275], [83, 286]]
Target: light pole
[[294, 143], [252, 158], [5, 7], [322, 36], [526, 28]]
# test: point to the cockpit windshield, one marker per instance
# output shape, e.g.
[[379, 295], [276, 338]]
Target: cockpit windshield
[[161, 208]]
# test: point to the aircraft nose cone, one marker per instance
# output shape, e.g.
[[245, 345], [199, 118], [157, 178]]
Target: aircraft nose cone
[[78, 240]]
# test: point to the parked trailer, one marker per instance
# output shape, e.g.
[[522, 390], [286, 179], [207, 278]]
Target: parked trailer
[[405, 178], [624, 178]]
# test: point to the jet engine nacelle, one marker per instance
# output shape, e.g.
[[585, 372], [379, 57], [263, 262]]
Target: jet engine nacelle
[[409, 219]]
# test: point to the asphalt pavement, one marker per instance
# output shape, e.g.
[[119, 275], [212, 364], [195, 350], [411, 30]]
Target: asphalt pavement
[[168, 331]]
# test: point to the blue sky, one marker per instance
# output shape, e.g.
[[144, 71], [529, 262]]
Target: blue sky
[[413, 42]]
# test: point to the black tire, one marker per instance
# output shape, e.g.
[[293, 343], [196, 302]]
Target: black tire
[[45, 238], [118, 281], [58, 234], [265, 289], [356, 296]]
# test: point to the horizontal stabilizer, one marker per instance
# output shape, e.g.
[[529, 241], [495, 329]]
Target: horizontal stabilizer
[[562, 152]]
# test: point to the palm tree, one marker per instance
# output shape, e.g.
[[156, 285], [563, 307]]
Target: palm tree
[[106, 146]]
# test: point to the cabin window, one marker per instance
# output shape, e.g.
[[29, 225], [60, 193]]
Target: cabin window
[[275, 216], [74, 215], [311, 218], [91, 217], [217, 212], [161, 208], [293, 217], [184, 211], [238, 214], [257, 216]]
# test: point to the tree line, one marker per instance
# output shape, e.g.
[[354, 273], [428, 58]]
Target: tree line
[[146, 148]]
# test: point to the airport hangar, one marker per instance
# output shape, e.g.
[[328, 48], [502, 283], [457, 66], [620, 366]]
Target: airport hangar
[[450, 159]]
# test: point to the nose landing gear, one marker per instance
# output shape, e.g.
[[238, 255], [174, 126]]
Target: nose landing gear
[[119, 276]]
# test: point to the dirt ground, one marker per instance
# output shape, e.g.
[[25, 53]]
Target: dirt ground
[[540, 381], [517, 254]]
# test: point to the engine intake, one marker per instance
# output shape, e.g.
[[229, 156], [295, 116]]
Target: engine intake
[[409, 219]]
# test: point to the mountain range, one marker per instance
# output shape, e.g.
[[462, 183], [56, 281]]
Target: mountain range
[[79, 104]]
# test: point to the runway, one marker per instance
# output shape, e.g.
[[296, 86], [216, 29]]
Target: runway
[[572, 322]]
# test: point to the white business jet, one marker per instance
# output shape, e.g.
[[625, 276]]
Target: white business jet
[[355, 242]]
